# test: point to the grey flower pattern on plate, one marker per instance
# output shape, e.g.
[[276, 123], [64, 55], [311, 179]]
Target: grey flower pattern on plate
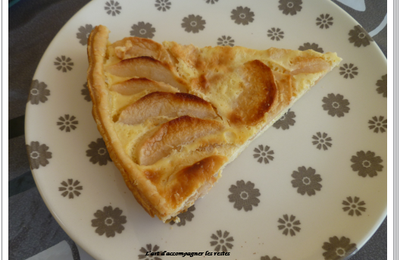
[[306, 181], [311, 46], [226, 41], [70, 188], [83, 33], [193, 23], [109, 221], [143, 30], [324, 21], [112, 8], [286, 121], [366, 164], [242, 15], [322, 141], [378, 124], [38, 92], [86, 93], [289, 225], [263, 154], [98, 152], [359, 36], [38, 154], [354, 206], [149, 248], [163, 5], [269, 258], [336, 105], [348, 71], [185, 216], [67, 123], [64, 63], [382, 85], [275, 34], [337, 248], [291, 7], [244, 195], [222, 241]]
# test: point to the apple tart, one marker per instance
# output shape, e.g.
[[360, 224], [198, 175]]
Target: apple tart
[[173, 116]]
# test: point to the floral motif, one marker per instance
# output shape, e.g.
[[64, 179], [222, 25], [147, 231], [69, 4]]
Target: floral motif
[[113, 8], [264, 154], [359, 36], [226, 41], [366, 164], [322, 141], [211, 1], [163, 5], [70, 188], [382, 85], [269, 258], [290, 6], [336, 105], [63, 63], [275, 34], [221, 241], [354, 205], [311, 46], [38, 92], [185, 216], [324, 21], [337, 248], [109, 221], [143, 30], [289, 225], [242, 15], [286, 121], [83, 33], [193, 23], [306, 181], [67, 123], [38, 154], [85, 92], [348, 71], [98, 152], [244, 195], [378, 124]]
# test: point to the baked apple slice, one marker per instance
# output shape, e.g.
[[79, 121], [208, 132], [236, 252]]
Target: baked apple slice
[[169, 105], [145, 67], [174, 135], [136, 85]]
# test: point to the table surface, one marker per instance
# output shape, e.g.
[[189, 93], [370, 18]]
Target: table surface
[[32, 26]]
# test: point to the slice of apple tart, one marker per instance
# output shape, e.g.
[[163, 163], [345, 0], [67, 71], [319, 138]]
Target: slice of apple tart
[[173, 116]]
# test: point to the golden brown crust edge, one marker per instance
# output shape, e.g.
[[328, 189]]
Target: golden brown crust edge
[[97, 46]]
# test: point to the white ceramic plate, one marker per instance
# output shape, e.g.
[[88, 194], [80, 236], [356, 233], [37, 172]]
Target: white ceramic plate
[[315, 182]]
